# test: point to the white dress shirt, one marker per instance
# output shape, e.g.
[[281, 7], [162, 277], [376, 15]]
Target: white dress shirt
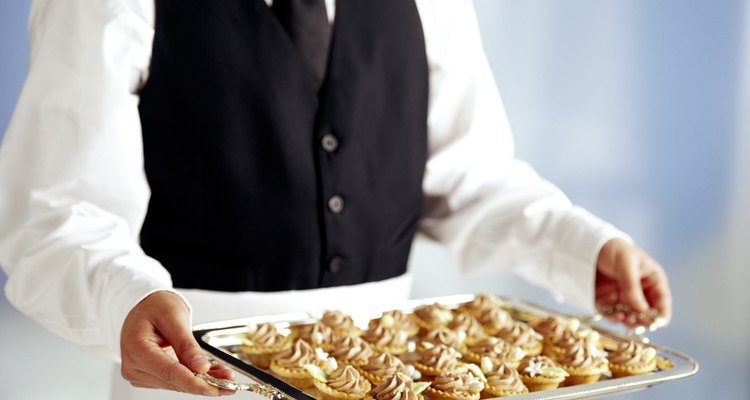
[[73, 191]]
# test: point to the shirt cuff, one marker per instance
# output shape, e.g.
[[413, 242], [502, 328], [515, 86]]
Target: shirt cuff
[[573, 277]]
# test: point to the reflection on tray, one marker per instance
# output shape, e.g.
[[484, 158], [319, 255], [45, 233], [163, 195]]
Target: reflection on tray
[[466, 346]]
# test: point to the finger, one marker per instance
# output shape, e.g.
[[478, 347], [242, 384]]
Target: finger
[[656, 287], [145, 380], [629, 278], [607, 299], [221, 372], [176, 330], [167, 371]]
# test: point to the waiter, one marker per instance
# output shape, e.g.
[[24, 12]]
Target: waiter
[[172, 160]]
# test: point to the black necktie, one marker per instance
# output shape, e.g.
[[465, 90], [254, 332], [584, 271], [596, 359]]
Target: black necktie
[[306, 22]]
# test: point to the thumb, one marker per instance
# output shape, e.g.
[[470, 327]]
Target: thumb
[[176, 330]]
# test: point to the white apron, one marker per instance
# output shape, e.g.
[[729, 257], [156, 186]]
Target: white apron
[[209, 306]]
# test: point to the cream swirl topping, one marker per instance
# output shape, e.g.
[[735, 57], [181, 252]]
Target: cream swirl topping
[[468, 324], [338, 320], [395, 319], [483, 302], [347, 380], [581, 355], [442, 335], [632, 353], [552, 328], [441, 357], [397, 387], [520, 335], [384, 365], [383, 336], [351, 349], [542, 366], [317, 334], [459, 384], [498, 349], [495, 318], [265, 335], [297, 356], [505, 378], [434, 314]]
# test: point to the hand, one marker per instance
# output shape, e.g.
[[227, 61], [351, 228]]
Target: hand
[[626, 275], [159, 351]]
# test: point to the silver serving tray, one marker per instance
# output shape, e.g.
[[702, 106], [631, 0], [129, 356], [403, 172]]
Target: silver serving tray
[[218, 339]]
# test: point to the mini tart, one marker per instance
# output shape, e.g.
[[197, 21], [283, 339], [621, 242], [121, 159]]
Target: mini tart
[[396, 319], [351, 350], [263, 343], [632, 358], [456, 386], [541, 373], [503, 381], [494, 319], [384, 339], [583, 362], [395, 387], [556, 350], [441, 335], [497, 350], [341, 323], [381, 366], [439, 360], [481, 303], [552, 329], [289, 365], [317, 334], [471, 327], [431, 316], [519, 334], [345, 383]]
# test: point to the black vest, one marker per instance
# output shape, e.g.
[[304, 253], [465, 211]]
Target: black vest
[[261, 182]]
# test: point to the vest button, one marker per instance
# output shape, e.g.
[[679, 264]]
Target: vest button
[[336, 204], [329, 143], [336, 264]]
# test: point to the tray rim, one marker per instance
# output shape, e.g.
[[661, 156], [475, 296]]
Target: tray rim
[[686, 367]]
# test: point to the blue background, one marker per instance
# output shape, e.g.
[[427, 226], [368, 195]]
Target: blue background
[[635, 108]]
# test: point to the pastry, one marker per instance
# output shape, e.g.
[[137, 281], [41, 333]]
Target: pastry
[[494, 319], [469, 325], [351, 350], [343, 383], [519, 334], [442, 335], [457, 386], [384, 339], [583, 362], [502, 380], [496, 350], [381, 366], [553, 330], [481, 303], [262, 342], [317, 334], [396, 319], [397, 387], [439, 360], [289, 365], [341, 323], [632, 358], [431, 316], [541, 373]]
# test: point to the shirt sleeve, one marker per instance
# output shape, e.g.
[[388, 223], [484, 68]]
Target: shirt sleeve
[[74, 192], [491, 210]]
